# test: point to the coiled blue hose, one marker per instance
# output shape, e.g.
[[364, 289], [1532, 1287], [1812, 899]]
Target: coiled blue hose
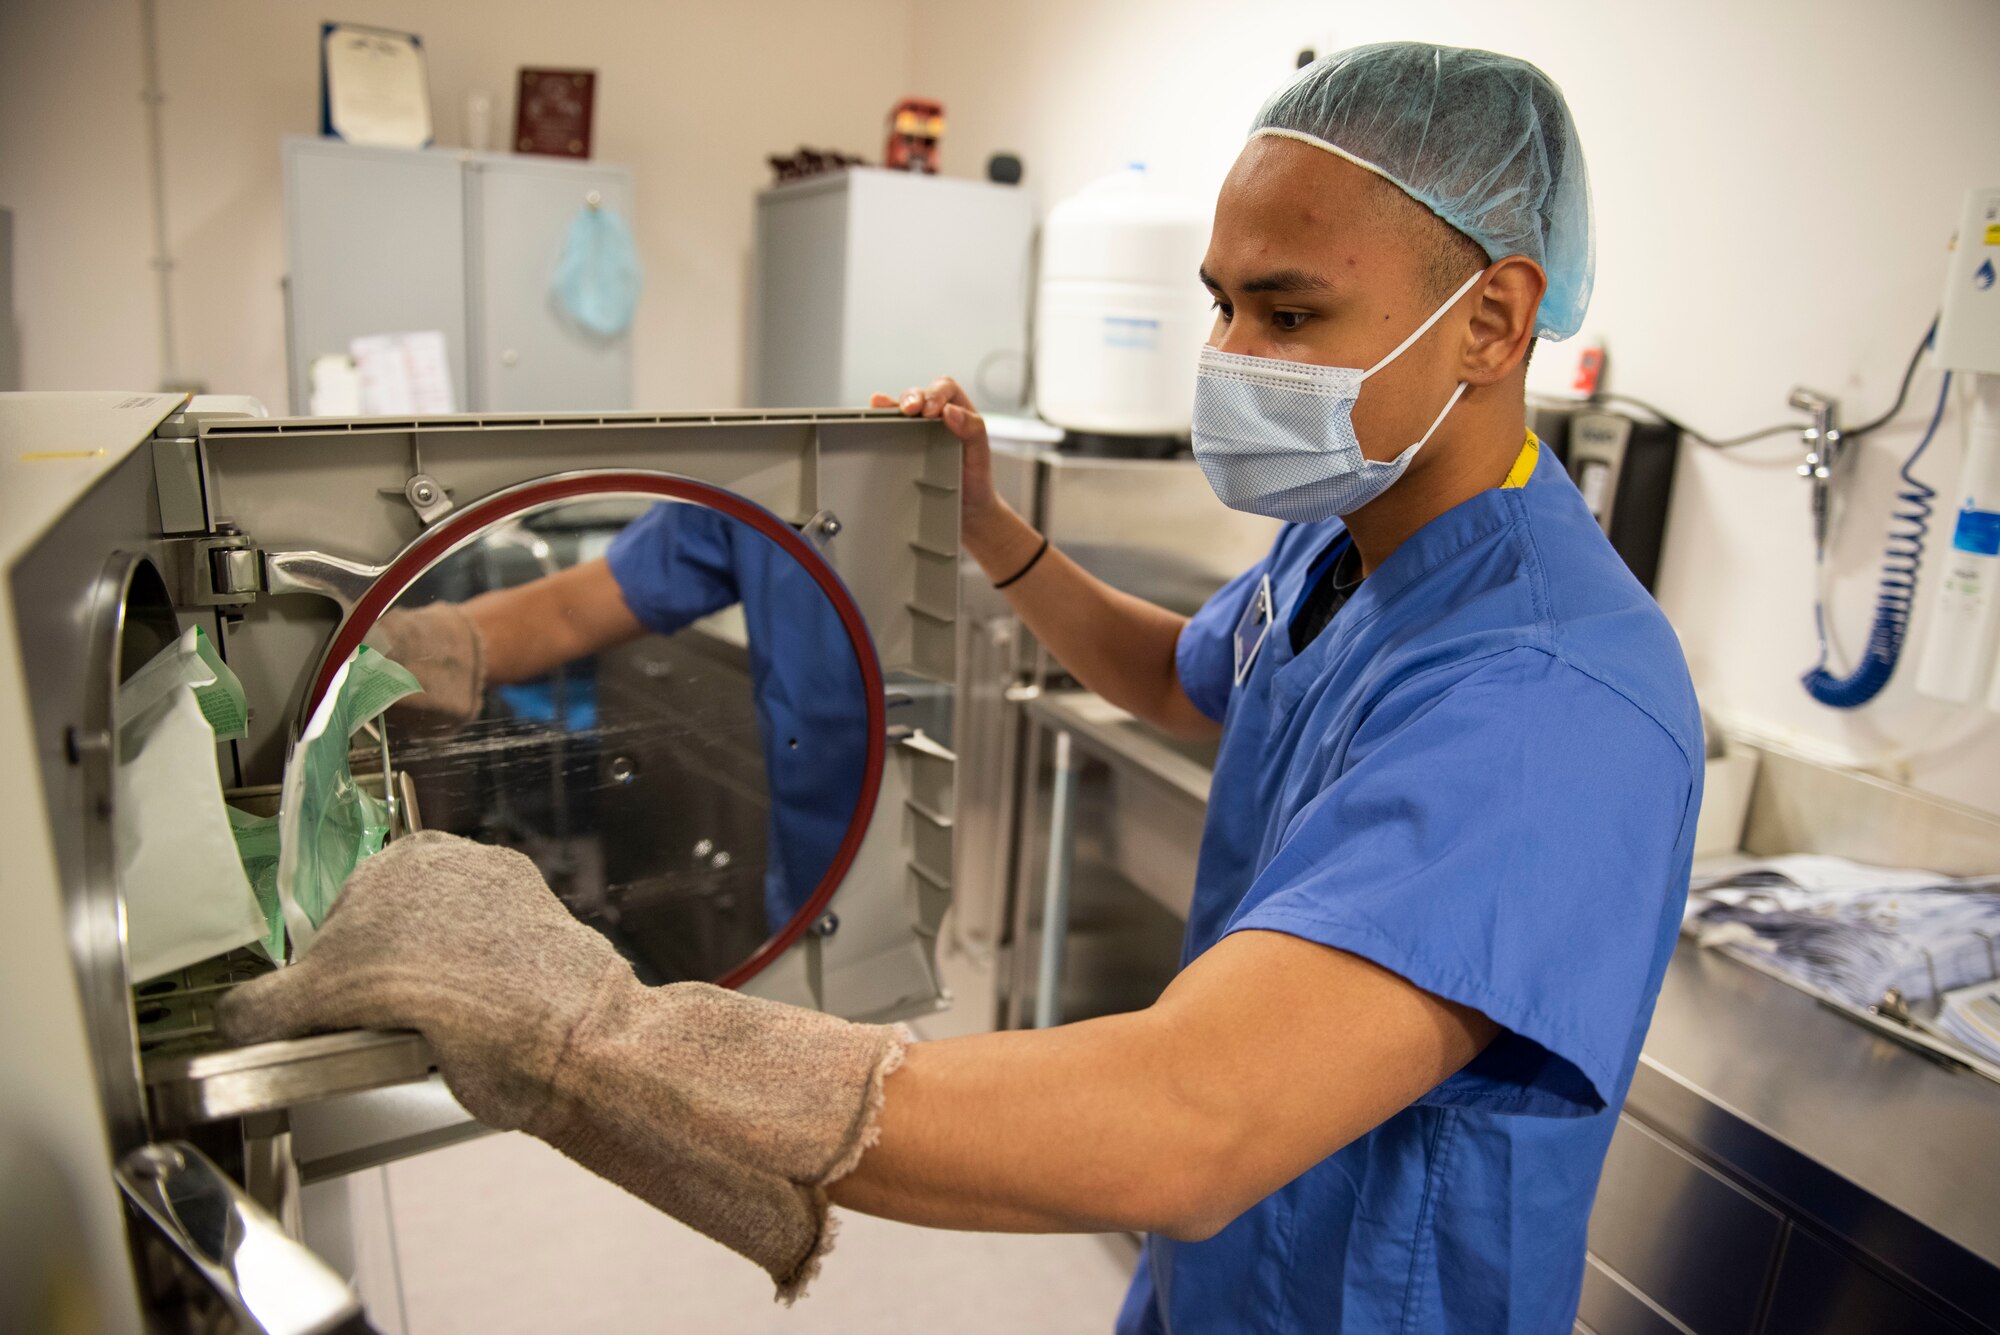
[[1898, 590]]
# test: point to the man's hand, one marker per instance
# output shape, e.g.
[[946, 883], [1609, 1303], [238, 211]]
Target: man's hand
[[980, 505], [441, 647], [1120, 646]]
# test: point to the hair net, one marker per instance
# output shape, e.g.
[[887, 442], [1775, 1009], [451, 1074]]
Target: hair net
[[1484, 141]]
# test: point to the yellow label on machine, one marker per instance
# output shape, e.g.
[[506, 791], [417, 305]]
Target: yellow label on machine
[[1993, 234]]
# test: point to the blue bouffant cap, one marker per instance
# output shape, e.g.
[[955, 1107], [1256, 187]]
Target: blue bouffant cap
[[1484, 141]]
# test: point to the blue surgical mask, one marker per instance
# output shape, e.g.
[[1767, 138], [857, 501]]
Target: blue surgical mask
[[1277, 438]]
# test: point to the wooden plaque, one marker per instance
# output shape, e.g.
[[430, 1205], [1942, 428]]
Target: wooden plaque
[[552, 112]]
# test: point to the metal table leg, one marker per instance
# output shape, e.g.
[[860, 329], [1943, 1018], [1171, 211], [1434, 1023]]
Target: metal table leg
[[1056, 885]]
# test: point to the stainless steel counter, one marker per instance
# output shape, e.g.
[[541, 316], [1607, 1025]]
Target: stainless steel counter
[[1187, 767], [1874, 1142]]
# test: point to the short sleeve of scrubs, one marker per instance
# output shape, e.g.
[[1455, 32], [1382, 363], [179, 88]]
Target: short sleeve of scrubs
[[1496, 839], [673, 564], [1205, 656]]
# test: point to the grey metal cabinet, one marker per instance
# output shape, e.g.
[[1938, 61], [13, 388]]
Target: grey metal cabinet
[[374, 244], [526, 356], [382, 240], [870, 279]]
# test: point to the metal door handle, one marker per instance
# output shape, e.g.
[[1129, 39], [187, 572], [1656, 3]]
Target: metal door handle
[[273, 1283]]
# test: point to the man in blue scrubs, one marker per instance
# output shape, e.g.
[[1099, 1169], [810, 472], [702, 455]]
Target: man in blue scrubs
[[678, 563], [1458, 739], [1446, 848]]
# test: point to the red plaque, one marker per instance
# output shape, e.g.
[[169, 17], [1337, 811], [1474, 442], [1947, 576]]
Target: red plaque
[[552, 111]]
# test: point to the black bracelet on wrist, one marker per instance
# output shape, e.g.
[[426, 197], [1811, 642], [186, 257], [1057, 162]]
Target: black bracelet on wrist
[[1016, 577]]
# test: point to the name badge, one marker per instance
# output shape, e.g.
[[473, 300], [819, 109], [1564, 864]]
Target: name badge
[[1252, 629]]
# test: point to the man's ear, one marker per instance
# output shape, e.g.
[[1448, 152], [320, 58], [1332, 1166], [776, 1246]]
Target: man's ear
[[1501, 332]]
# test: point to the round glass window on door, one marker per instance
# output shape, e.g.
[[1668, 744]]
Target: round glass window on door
[[670, 706]]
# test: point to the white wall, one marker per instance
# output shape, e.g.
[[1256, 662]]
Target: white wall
[[72, 167], [1775, 185], [691, 96]]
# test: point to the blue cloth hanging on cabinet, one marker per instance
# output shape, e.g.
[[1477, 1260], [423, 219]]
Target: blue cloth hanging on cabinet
[[598, 278]]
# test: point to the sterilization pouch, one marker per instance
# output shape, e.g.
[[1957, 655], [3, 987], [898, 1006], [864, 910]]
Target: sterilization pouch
[[326, 822], [190, 661], [186, 895], [257, 849]]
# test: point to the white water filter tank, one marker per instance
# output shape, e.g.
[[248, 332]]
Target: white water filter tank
[[1120, 313]]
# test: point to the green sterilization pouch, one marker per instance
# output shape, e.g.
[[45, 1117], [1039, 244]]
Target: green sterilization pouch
[[191, 661], [257, 850], [326, 823]]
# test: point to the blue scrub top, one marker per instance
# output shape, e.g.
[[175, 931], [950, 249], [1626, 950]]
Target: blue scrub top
[[1484, 776], [678, 563]]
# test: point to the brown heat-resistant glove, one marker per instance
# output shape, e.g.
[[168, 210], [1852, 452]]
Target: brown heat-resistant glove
[[440, 645], [730, 1113]]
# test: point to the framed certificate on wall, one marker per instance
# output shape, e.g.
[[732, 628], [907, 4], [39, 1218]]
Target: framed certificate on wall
[[552, 112], [373, 88]]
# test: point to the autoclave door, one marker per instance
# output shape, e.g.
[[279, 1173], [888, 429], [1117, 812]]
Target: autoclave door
[[757, 790]]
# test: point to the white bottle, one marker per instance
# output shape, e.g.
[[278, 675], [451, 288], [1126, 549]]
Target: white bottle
[[1965, 617], [478, 122]]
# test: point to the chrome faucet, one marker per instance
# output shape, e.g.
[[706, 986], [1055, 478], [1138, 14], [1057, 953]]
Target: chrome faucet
[[1824, 446]]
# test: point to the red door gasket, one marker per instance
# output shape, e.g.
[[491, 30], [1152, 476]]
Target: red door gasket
[[462, 525]]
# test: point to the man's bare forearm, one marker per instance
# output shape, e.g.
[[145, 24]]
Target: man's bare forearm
[[1119, 646], [533, 628], [1266, 1055], [1026, 1131]]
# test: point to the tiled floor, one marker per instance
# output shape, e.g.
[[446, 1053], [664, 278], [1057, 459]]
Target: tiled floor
[[503, 1235]]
